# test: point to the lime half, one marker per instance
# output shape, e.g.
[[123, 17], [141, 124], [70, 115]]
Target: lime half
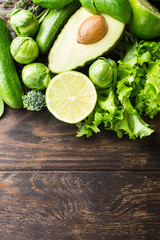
[[71, 96], [145, 22]]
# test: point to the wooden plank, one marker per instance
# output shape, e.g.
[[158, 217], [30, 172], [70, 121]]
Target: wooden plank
[[76, 206], [38, 141]]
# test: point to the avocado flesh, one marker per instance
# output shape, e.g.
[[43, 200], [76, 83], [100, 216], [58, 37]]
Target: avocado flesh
[[67, 54]]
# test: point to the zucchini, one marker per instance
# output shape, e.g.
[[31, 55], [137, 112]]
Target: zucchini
[[10, 86], [52, 25]]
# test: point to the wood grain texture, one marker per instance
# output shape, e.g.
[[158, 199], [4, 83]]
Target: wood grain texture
[[83, 194], [78, 206], [30, 140]]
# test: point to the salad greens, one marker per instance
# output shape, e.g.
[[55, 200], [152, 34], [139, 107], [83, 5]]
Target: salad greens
[[136, 92], [139, 75], [148, 100]]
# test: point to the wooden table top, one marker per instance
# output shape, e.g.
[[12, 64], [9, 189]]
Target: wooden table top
[[54, 185]]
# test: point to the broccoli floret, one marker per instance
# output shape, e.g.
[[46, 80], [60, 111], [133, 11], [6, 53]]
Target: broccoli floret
[[34, 100]]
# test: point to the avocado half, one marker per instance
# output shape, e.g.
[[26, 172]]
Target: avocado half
[[67, 54]]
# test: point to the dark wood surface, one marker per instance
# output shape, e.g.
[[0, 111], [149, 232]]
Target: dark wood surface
[[80, 205], [54, 185]]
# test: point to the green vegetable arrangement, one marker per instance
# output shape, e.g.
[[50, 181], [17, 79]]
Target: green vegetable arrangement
[[136, 92], [127, 83]]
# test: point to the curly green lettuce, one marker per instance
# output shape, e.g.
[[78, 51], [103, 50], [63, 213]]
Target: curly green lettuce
[[121, 118], [136, 93], [140, 73], [148, 100]]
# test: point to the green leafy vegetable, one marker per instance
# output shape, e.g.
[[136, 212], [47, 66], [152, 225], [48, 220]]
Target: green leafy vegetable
[[118, 9], [139, 73], [34, 101], [89, 6], [121, 118], [148, 100], [136, 92]]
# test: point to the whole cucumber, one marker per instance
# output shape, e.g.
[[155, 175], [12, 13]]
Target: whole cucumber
[[52, 25], [52, 4], [10, 86]]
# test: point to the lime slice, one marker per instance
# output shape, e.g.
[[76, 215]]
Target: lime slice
[[145, 22], [71, 96], [1, 106]]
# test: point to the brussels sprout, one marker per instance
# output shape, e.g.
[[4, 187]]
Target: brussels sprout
[[24, 23], [24, 50], [103, 72], [36, 76]]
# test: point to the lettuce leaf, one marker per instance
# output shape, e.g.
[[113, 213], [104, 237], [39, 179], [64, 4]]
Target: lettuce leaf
[[121, 118], [139, 75], [148, 100], [135, 93]]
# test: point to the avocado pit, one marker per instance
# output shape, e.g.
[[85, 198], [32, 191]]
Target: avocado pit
[[92, 29]]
